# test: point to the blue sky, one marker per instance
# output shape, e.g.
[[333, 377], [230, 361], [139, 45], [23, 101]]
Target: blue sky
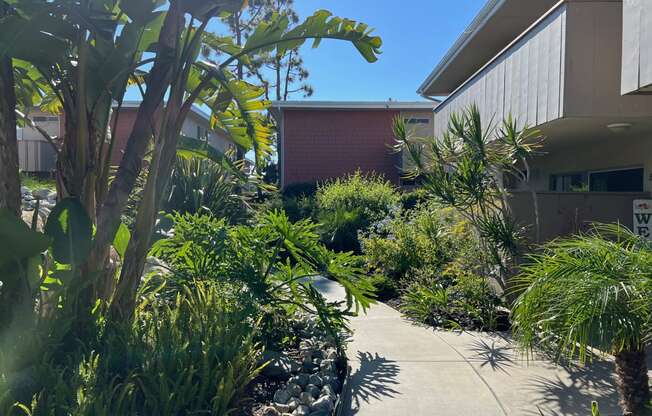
[[416, 34]]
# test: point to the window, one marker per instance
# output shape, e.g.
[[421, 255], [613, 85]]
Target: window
[[621, 180], [417, 121], [41, 119], [569, 182], [616, 180]]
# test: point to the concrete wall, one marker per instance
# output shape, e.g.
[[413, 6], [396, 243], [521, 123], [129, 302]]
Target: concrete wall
[[637, 47], [594, 63], [322, 144], [600, 154], [564, 213]]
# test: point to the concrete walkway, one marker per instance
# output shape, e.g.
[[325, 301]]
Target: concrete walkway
[[399, 369]]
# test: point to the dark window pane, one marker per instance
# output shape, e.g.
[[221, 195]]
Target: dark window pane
[[628, 180]]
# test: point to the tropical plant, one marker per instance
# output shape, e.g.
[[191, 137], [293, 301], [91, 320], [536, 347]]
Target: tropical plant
[[453, 299], [193, 355], [428, 236], [201, 185], [592, 292], [80, 58], [270, 264], [350, 204], [465, 168]]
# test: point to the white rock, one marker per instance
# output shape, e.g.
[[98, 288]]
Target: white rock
[[327, 390], [281, 396], [313, 390], [306, 398], [41, 193], [324, 403], [302, 410], [294, 389], [316, 380]]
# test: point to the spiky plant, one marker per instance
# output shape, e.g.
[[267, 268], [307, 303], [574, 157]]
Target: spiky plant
[[592, 292]]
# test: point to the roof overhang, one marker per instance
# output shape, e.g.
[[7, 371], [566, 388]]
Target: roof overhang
[[134, 104], [354, 105], [496, 25]]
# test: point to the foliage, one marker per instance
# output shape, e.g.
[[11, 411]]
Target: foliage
[[34, 182], [192, 355], [587, 291], [269, 263], [457, 298], [428, 236], [592, 292], [201, 185], [351, 204], [464, 169], [81, 60]]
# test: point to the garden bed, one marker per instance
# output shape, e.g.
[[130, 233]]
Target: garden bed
[[307, 379]]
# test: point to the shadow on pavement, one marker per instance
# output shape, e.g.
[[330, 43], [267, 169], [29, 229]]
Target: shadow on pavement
[[498, 357], [374, 379], [573, 395]]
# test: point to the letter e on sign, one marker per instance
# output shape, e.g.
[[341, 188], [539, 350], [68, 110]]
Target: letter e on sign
[[643, 217]]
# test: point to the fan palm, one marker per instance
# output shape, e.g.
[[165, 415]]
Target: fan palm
[[591, 292]]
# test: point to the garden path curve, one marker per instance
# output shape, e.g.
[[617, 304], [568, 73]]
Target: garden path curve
[[399, 368]]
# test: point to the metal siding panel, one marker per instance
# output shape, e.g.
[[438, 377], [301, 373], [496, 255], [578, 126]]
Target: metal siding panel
[[645, 46], [508, 84], [554, 69], [631, 45], [542, 81], [533, 75], [562, 70]]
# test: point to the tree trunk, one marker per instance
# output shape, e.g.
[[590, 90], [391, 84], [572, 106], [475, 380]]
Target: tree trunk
[[158, 81], [9, 173], [632, 381]]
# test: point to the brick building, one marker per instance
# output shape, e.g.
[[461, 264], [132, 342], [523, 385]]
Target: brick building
[[324, 140]]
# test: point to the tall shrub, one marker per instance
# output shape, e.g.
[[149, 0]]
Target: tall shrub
[[351, 204], [465, 169]]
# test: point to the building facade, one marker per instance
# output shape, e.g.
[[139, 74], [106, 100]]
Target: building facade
[[576, 70], [319, 141], [36, 154]]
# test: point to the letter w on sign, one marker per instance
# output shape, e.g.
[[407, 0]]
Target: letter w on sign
[[643, 217]]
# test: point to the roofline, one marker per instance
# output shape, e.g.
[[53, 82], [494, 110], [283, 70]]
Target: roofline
[[476, 24], [135, 104], [356, 105], [509, 46]]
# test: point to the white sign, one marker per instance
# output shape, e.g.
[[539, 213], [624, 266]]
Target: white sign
[[643, 217]]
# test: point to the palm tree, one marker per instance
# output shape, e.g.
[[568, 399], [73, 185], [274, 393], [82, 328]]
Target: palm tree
[[592, 292]]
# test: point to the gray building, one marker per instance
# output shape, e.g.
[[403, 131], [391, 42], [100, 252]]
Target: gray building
[[577, 70]]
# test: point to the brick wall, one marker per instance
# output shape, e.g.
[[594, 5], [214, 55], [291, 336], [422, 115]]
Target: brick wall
[[324, 144]]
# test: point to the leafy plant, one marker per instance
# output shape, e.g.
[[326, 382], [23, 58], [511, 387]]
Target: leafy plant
[[271, 262], [427, 236], [455, 298], [195, 354], [465, 168], [351, 204], [201, 185], [589, 292]]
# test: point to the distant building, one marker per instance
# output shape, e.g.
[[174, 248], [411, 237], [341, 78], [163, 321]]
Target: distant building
[[37, 155], [321, 140]]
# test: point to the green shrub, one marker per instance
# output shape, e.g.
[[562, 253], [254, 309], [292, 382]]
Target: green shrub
[[201, 185], [457, 298], [351, 204], [426, 237], [194, 355], [268, 264]]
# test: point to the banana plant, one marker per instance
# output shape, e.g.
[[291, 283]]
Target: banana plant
[[88, 52]]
